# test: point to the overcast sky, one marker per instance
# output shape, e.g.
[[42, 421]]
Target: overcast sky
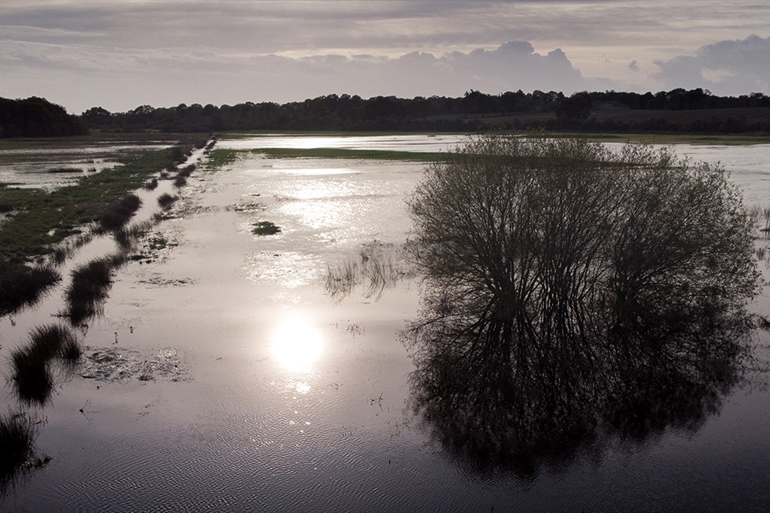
[[119, 54]]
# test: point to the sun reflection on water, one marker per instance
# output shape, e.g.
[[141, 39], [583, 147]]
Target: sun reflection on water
[[296, 344]]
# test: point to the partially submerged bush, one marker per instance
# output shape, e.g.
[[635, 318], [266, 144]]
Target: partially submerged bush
[[21, 285], [180, 181]]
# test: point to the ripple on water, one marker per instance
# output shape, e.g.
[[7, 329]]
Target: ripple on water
[[286, 269]]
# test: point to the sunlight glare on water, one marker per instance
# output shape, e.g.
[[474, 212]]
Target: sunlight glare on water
[[297, 344]]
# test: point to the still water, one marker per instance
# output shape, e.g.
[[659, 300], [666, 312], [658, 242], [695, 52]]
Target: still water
[[226, 376]]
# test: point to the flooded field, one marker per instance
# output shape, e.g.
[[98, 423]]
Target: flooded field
[[249, 359]]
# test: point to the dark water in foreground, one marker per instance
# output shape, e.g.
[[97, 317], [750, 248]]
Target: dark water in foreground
[[224, 376]]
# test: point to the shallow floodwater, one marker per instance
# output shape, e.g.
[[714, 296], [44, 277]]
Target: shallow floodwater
[[224, 376]]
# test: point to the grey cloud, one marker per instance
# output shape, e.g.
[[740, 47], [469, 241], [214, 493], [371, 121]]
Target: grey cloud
[[727, 67], [206, 76]]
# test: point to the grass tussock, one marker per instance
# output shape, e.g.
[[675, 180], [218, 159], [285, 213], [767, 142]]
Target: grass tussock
[[90, 287], [151, 184], [117, 215], [265, 228], [21, 285], [165, 200], [180, 181], [17, 444], [126, 237], [31, 375], [186, 171], [31, 364]]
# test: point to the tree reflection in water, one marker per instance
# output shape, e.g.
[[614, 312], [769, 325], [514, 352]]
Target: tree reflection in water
[[574, 296], [555, 404]]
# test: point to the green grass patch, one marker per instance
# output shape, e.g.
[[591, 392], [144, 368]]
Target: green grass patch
[[219, 158], [668, 139], [321, 133], [346, 153], [42, 219]]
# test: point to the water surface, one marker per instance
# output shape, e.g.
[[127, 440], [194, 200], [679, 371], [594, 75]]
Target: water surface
[[262, 392]]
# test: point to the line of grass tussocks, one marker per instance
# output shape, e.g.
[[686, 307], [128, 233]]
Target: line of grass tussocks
[[40, 219]]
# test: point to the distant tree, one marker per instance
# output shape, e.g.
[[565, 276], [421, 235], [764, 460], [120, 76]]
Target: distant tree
[[577, 106], [37, 117]]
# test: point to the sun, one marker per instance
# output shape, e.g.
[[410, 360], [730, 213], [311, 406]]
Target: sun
[[296, 344]]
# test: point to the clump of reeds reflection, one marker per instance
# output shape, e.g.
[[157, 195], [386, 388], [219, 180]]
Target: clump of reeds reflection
[[32, 373], [376, 268], [22, 285]]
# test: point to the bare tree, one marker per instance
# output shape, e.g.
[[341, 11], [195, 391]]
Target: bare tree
[[554, 267]]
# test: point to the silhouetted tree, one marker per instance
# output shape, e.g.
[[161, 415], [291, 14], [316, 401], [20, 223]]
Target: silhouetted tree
[[561, 278]]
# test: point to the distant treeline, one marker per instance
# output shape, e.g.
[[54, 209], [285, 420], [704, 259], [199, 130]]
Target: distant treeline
[[36, 117], [675, 111], [472, 112]]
